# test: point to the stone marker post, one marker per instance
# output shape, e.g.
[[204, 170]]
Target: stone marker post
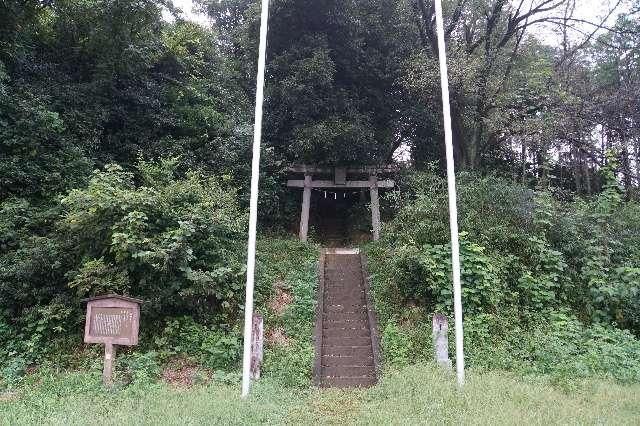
[[441, 340]]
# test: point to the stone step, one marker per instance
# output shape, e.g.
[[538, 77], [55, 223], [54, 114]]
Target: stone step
[[344, 292], [335, 261], [339, 291], [345, 308], [349, 371], [358, 323], [355, 351], [339, 361], [343, 277], [328, 342], [346, 382], [343, 269], [345, 332], [346, 354], [344, 301], [344, 316], [353, 275]]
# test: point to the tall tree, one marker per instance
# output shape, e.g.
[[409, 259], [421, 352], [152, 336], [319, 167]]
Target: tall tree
[[333, 92]]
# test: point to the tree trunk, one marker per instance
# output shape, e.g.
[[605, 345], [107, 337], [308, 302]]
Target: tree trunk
[[523, 158], [473, 146], [626, 167], [576, 169], [457, 129], [586, 174]]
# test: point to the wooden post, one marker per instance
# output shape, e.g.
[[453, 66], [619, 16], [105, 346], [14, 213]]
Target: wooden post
[[306, 203], [375, 207], [107, 371]]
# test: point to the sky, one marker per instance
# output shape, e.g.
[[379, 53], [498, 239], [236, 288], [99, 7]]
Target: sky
[[187, 9]]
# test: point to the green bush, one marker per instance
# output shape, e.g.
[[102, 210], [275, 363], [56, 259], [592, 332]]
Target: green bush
[[177, 242], [396, 344], [548, 286], [290, 364], [569, 348], [210, 346], [288, 267], [13, 371], [423, 274], [139, 368]]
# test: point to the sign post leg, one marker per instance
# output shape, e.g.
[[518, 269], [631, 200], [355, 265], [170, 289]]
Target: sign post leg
[[109, 358]]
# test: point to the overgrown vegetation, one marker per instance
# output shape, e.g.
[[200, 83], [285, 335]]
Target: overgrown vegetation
[[289, 270], [549, 286], [124, 164], [174, 242]]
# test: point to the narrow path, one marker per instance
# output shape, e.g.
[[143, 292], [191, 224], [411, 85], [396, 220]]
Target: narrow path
[[346, 336]]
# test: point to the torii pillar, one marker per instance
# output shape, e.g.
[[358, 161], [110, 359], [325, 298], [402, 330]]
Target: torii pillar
[[306, 204], [375, 207]]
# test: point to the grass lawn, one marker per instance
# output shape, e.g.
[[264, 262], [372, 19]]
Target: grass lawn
[[415, 395]]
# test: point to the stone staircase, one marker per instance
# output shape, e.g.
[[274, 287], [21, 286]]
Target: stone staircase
[[347, 344]]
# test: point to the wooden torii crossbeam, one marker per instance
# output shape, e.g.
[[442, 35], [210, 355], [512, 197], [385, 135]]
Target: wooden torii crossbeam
[[340, 181]]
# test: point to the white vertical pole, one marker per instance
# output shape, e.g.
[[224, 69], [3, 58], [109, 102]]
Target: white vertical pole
[[253, 205], [453, 209]]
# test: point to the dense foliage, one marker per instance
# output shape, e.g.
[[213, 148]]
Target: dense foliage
[[547, 285], [174, 242]]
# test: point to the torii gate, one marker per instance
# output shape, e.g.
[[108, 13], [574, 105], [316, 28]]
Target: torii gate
[[340, 181]]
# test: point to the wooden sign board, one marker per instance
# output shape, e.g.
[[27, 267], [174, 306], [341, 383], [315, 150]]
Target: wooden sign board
[[112, 320]]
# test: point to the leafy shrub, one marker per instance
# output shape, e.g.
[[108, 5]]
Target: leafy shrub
[[556, 344], [290, 364], [531, 266], [288, 267], [600, 239], [33, 257], [424, 276], [139, 368], [210, 346], [13, 371], [396, 344], [174, 242], [569, 348]]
